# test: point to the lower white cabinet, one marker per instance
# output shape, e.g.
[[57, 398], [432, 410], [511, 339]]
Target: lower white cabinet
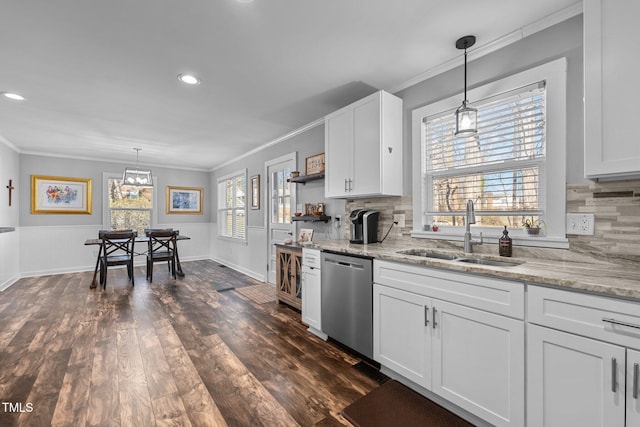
[[574, 381], [583, 363], [311, 291], [401, 333], [478, 362], [471, 357]]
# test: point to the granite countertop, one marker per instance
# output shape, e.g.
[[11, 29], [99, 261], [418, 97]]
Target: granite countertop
[[578, 273]]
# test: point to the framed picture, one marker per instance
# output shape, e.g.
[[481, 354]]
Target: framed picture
[[184, 200], [60, 195], [314, 164], [255, 192], [305, 236]]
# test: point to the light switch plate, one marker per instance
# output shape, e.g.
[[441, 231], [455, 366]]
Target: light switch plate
[[581, 224]]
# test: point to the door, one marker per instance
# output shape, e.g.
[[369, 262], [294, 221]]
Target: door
[[573, 381], [282, 201], [401, 333], [311, 297], [633, 388], [367, 167], [338, 153], [478, 362]]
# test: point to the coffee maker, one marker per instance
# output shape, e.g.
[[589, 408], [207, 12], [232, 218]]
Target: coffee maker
[[364, 226]]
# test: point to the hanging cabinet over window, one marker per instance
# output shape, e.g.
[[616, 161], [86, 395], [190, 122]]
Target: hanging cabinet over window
[[610, 88], [363, 148], [289, 275]]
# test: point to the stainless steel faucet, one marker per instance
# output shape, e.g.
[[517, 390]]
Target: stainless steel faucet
[[471, 219]]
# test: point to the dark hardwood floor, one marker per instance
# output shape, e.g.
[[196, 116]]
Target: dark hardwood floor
[[170, 353]]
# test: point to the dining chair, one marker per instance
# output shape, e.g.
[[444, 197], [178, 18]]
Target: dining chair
[[116, 249], [162, 247]]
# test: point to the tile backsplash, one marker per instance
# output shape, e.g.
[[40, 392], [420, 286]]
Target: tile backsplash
[[616, 206]]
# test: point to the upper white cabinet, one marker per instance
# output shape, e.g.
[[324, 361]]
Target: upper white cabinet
[[610, 87], [363, 148]]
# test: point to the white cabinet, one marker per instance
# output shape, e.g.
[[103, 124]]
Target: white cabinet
[[402, 337], [478, 362], [570, 380], [311, 291], [363, 148], [450, 334], [610, 85], [581, 360], [633, 388]]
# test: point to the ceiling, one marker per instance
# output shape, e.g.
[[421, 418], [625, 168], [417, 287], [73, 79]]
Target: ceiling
[[100, 77]]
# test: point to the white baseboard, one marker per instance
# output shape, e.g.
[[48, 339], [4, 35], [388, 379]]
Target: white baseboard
[[245, 271], [7, 283]]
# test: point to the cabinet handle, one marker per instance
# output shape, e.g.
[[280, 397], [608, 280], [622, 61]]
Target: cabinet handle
[[345, 185], [433, 318], [614, 369], [426, 317], [350, 186], [635, 380], [618, 322]]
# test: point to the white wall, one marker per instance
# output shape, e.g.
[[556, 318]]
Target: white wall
[[9, 169], [61, 249]]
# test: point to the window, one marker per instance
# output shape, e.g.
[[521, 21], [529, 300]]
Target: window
[[232, 214], [513, 169], [129, 207]]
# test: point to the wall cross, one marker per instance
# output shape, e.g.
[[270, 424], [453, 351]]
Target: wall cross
[[11, 188]]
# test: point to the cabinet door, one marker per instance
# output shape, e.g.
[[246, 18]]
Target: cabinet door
[[401, 333], [633, 388], [573, 381], [338, 153], [478, 362], [610, 85], [311, 297], [367, 167]]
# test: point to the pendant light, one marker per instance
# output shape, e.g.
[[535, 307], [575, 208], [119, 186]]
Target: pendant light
[[466, 115], [137, 177]]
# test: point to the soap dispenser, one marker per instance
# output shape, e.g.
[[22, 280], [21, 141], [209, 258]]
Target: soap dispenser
[[504, 243]]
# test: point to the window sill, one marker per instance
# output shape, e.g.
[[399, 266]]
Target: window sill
[[517, 240]]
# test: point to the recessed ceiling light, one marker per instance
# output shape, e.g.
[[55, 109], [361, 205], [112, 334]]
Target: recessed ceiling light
[[14, 96], [245, 1], [189, 79]]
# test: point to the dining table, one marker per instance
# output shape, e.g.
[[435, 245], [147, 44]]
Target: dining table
[[139, 239]]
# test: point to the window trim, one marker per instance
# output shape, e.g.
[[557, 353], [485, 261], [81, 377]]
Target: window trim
[[554, 73], [244, 240], [106, 222]]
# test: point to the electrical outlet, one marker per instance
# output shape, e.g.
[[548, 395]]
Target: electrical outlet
[[399, 218], [581, 224]]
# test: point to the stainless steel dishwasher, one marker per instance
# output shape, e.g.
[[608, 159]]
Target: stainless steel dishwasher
[[347, 301]]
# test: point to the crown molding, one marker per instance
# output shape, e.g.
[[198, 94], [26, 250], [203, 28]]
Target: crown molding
[[489, 47]]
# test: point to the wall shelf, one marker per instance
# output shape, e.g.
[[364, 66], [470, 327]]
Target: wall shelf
[[312, 218], [306, 178]]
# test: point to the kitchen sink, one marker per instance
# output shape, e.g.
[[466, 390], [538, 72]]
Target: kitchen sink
[[450, 257], [428, 254], [489, 262]]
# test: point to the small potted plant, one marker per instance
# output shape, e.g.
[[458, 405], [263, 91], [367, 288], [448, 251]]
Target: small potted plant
[[533, 226]]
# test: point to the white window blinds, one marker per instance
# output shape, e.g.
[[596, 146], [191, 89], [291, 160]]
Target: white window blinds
[[500, 168], [232, 206]]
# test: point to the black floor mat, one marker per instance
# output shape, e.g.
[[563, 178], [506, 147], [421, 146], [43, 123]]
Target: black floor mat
[[371, 372]]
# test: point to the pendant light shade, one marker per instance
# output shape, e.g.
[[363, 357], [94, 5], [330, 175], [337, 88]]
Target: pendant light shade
[[466, 115], [137, 177]]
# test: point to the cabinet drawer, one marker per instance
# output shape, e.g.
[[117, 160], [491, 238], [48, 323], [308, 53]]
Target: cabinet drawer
[[494, 295], [602, 318], [311, 257]]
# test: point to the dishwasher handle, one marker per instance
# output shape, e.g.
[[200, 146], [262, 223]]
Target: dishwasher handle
[[344, 264]]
